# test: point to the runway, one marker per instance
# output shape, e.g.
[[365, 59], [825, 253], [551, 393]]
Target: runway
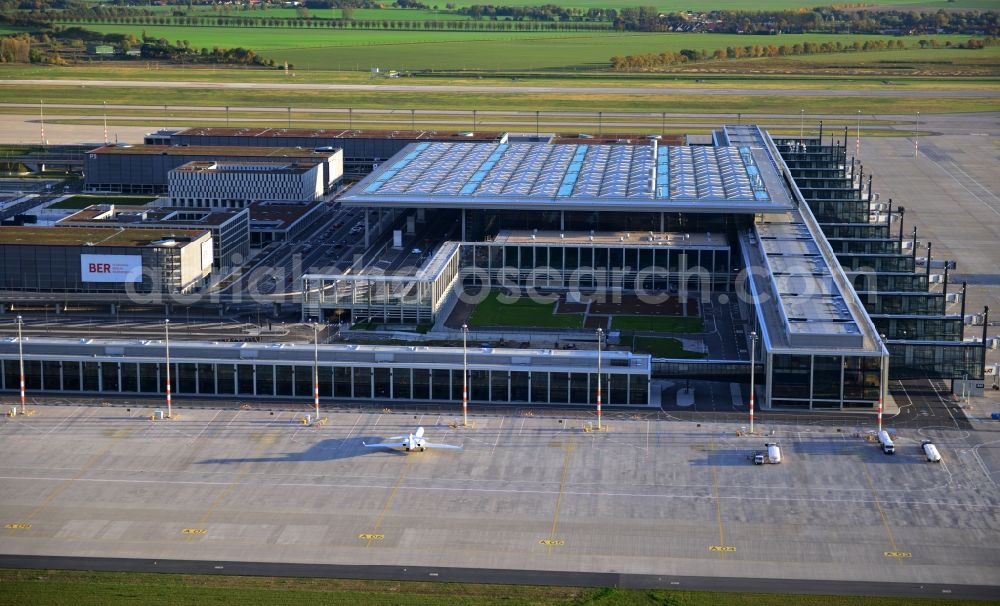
[[616, 89]]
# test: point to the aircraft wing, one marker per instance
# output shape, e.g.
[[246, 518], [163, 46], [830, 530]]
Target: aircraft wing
[[433, 445], [385, 445]]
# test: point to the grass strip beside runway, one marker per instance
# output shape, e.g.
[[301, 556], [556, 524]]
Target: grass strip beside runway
[[41, 587]]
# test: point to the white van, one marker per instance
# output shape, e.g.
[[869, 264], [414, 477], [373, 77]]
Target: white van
[[886, 442], [931, 451], [773, 453]]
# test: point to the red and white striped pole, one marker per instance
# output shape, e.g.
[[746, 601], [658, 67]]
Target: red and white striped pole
[[166, 332], [316, 369], [857, 143], [881, 378], [753, 353], [880, 413], [20, 357], [465, 376], [600, 334], [316, 398], [598, 401]]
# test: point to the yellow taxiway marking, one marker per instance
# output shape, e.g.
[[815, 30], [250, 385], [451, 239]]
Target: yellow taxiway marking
[[18, 526], [881, 512], [388, 501], [722, 548], [371, 537], [897, 554], [718, 509], [194, 531], [552, 540]]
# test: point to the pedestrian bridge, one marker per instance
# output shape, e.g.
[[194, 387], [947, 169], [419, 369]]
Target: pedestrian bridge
[[734, 371]]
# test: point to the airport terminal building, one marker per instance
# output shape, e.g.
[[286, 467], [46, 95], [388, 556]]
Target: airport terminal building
[[726, 224], [695, 220]]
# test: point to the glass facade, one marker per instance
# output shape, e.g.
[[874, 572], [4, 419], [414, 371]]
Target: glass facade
[[855, 230], [412, 298], [341, 383], [935, 360], [824, 381], [904, 303], [601, 267], [866, 245]]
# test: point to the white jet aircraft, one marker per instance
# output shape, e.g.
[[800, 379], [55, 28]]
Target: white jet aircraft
[[414, 441]]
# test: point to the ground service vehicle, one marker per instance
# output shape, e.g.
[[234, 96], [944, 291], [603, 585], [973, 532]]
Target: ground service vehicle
[[886, 442], [931, 451], [773, 452]]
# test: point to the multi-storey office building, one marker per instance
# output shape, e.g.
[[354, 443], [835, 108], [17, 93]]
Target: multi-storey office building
[[144, 169], [98, 260], [230, 229], [239, 184]]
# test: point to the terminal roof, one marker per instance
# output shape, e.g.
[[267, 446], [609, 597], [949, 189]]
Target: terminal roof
[[540, 176], [211, 166], [97, 236], [46, 348], [635, 239], [113, 215], [804, 306], [215, 151]]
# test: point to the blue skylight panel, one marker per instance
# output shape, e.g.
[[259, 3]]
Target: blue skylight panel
[[573, 171]]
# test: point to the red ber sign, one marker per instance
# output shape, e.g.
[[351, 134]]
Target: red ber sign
[[111, 268]]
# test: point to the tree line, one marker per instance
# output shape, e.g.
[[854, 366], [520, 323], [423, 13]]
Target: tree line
[[489, 17], [655, 62], [49, 47], [546, 12], [821, 19], [315, 22]]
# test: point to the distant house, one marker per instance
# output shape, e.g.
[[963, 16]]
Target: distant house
[[101, 50]]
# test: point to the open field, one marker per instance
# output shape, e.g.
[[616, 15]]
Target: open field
[[32, 587], [526, 493], [763, 5], [661, 5], [265, 40], [444, 50]]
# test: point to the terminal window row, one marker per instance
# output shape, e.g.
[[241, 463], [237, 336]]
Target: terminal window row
[[364, 383]]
